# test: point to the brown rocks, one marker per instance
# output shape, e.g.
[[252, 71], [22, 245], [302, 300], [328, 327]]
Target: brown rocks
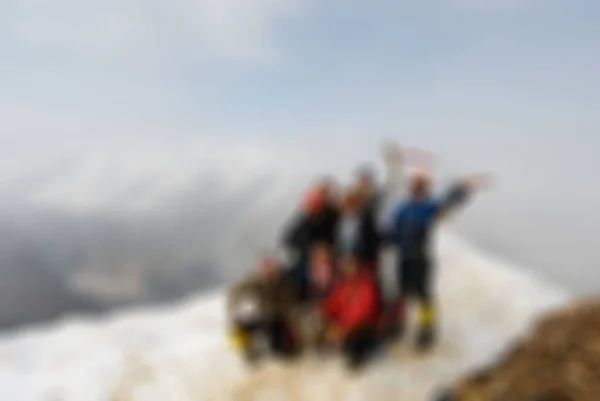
[[559, 360]]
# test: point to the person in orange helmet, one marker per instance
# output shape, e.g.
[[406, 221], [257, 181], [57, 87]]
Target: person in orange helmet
[[315, 222]]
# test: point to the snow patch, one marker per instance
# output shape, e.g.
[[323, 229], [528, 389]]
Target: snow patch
[[179, 353]]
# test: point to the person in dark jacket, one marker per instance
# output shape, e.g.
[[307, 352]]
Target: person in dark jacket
[[352, 310], [316, 222], [366, 180], [357, 231], [412, 225], [316, 219]]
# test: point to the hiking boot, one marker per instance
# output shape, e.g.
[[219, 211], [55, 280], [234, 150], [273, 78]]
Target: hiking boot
[[357, 362], [355, 365], [252, 358], [395, 324], [426, 338], [396, 331], [444, 396], [287, 354]]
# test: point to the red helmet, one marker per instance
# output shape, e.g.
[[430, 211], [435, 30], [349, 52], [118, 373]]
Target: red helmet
[[314, 201]]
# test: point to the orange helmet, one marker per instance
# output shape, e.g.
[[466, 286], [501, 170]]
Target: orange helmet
[[314, 201]]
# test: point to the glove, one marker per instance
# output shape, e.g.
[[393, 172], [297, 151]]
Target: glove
[[476, 181]]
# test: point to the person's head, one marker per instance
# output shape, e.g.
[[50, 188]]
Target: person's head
[[348, 264], [365, 178], [352, 200], [318, 196], [420, 185], [268, 267]]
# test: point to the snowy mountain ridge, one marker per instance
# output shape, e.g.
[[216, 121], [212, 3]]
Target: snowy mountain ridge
[[180, 352]]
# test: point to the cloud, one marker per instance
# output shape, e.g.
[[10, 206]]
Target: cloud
[[504, 92], [150, 30]]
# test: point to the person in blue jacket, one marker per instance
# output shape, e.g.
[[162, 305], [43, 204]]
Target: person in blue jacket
[[412, 223]]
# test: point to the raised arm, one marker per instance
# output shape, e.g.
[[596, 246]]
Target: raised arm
[[394, 185], [460, 192]]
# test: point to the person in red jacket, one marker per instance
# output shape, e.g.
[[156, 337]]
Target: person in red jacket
[[352, 310]]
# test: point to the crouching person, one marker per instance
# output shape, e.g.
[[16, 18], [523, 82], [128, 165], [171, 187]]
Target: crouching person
[[352, 312], [261, 312]]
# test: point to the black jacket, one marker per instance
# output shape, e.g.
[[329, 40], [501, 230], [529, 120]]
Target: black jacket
[[368, 239], [306, 230]]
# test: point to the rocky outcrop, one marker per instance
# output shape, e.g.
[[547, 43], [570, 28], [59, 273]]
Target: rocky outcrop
[[559, 360]]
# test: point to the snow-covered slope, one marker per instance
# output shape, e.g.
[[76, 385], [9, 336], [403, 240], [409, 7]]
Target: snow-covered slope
[[180, 353]]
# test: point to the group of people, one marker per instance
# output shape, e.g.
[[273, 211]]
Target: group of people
[[329, 294]]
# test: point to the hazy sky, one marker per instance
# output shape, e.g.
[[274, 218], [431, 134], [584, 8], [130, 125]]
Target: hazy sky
[[460, 68], [506, 85]]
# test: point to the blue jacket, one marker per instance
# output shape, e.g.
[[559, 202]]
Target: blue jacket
[[412, 222]]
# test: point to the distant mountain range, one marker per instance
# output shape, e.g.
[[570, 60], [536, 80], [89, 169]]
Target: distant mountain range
[[119, 232]]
